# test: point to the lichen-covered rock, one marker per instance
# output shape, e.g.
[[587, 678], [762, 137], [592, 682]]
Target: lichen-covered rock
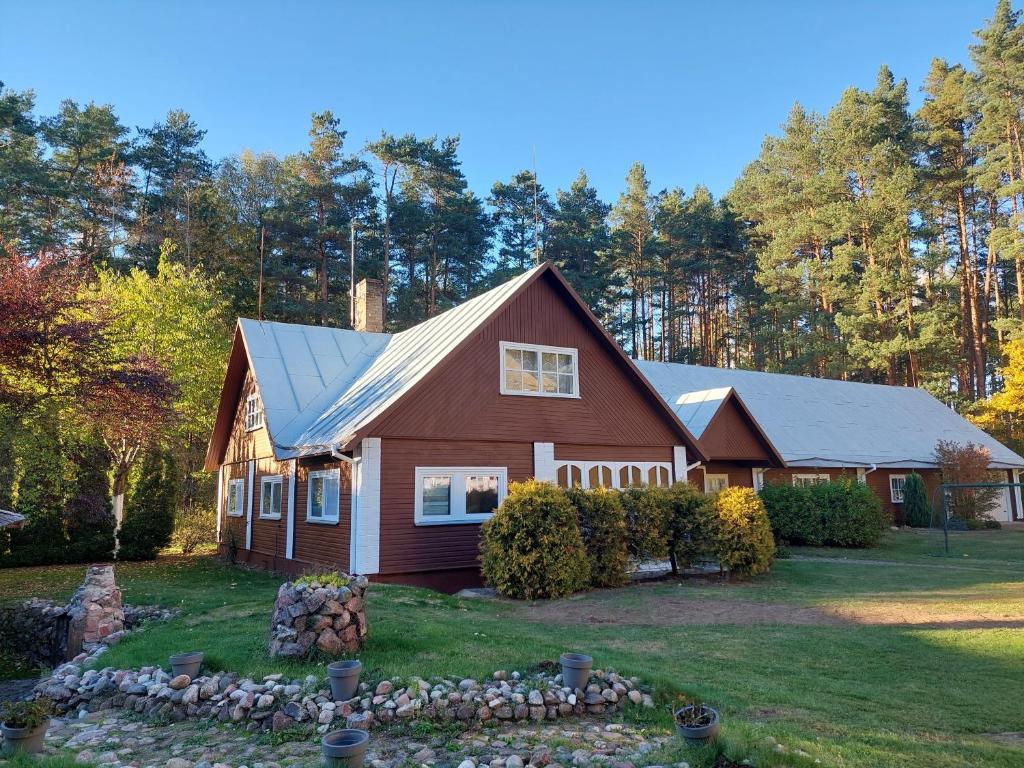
[[311, 617]]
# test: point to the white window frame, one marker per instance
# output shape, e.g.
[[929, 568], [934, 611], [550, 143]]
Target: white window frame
[[708, 476], [269, 480], [457, 501], [814, 477], [334, 474], [616, 468], [540, 349], [892, 490], [236, 491], [253, 413]]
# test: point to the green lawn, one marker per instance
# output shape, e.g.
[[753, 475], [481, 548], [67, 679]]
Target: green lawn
[[860, 663]]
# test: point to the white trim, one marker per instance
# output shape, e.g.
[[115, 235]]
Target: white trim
[[679, 463], [1017, 495], [539, 349], [615, 468], [271, 479], [253, 413], [709, 477], [892, 490], [236, 489], [544, 462], [365, 550], [220, 498], [457, 496], [757, 477], [248, 509], [326, 518], [814, 477], [862, 475], [289, 546]]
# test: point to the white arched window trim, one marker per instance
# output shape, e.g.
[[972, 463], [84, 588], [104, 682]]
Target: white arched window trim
[[616, 468]]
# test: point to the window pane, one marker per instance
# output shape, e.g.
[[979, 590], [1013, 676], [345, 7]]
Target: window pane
[[530, 362], [563, 476], [316, 495], [565, 364], [268, 499], [513, 359], [550, 362], [565, 384], [550, 382], [276, 498], [576, 476], [514, 381], [331, 498], [530, 382], [436, 496], [481, 494]]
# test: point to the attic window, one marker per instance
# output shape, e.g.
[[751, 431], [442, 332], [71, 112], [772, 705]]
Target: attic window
[[538, 371], [253, 413]]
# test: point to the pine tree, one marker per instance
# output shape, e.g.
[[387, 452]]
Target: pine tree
[[522, 210], [917, 511], [149, 513], [89, 513]]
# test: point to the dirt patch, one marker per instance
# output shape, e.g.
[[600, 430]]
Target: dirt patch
[[1010, 738]]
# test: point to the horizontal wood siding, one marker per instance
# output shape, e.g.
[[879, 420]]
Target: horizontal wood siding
[[244, 445], [739, 477], [578, 452], [461, 400], [408, 548], [269, 537], [730, 436], [323, 544]]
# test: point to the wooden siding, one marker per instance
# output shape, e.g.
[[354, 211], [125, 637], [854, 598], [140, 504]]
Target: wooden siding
[[323, 544], [242, 445], [730, 435], [579, 452], [739, 476], [462, 400]]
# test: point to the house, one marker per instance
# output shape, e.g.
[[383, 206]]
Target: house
[[381, 453], [825, 429]]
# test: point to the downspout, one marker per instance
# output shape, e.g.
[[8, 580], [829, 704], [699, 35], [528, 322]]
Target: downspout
[[339, 455]]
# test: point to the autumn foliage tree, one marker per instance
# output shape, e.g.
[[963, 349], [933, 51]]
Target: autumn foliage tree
[[966, 464]]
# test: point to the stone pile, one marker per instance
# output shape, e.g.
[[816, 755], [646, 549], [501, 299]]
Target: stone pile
[[310, 617], [276, 703], [95, 608]]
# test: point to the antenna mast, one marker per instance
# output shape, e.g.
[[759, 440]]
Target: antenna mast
[[536, 212]]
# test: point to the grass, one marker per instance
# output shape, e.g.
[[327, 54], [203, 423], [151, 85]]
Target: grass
[[879, 682]]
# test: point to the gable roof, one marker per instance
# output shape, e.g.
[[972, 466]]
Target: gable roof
[[312, 406], [823, 422], [697, 410]]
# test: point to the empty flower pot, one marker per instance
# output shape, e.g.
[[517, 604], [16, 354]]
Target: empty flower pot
[[697, 724], [187, 664], [344, 677], [576, 670], [27, 740], [345, 748]]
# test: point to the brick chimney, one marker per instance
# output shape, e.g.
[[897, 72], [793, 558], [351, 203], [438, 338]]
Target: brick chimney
[[369, 306]]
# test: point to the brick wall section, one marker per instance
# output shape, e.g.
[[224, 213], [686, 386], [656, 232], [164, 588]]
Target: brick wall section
[[369, 306]]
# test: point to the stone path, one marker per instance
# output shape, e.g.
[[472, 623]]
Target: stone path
[[112, 739]]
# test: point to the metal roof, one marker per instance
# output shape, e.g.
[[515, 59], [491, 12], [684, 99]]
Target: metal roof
[[823, 422], [320, 385], [696, 409], [10, 519]]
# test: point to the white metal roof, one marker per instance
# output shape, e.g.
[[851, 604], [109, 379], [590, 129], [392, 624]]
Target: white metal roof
[[696, 409], [823, 422], [320, 385]]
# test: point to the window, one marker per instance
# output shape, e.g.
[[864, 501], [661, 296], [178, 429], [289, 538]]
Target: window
[[448, 495], [611, 474], [253, 413], [270, 497], [322, 496], [529, 369], [810, 479], [897, 484], [715, 483], [236, 494]]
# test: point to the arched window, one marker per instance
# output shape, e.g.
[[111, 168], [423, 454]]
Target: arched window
[[600, 476], [658, 475], [630, 475], [569, 476]]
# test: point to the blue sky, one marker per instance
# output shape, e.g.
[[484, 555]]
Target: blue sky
[[687, 88]]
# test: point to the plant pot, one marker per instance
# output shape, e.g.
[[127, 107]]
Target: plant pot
[[344, 678], [700, 734], [345, 748], [27, 740], [576, 670], [187, 664]]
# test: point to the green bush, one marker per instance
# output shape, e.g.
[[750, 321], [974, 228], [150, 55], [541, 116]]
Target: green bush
[[917, 512], [647, 533], [149, 513], [602, 522], [532, 546], [691, 523], [743, 541], [851, 513], [194, 527], [90, 519], [793, 515]]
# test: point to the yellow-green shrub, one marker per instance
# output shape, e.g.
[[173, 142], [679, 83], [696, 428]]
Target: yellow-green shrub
[[646, 522], [532, 547], [744, 541], [603, 526]]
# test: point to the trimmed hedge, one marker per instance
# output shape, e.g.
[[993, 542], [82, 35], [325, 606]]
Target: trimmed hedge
[[743, 539], [602, 522], [792, 514], [842, 513], [692, 524], [532, 546], [646, 522]]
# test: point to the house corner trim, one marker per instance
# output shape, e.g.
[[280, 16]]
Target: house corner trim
[[544, 462], [366, 508], [679, 463], [248, 508]]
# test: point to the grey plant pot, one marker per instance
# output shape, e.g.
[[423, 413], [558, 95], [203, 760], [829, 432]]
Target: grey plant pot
[[576, 670], [27, 740], [344, 677], [187, 664], [345, 748], [701, 734]]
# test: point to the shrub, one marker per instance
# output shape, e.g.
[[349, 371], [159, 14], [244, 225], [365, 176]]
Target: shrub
[[646, 522], [195, 527], [691, 523], [792, 513], [967, 464], [532, 547], [602, 522], [917, 512], [851, 513], [149, 514], [743, 540], [90, 520]]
